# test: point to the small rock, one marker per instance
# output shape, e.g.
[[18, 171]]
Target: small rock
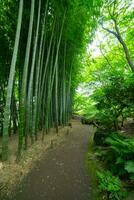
[[1, 165]]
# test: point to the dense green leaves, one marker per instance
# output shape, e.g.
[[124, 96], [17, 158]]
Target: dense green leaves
[[105, 95], [47, 64], [129, 166], [110, 185]]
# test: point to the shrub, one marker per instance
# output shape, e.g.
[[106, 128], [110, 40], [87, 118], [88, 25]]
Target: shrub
[[110, 186], [119, 155], [100, 136]]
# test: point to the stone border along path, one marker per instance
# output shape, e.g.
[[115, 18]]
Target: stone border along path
[[61, 174]]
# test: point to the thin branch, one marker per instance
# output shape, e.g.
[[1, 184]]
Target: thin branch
[[110, 31], [105, 57]]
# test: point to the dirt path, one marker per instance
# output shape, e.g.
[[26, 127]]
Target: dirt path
[[61, 174]]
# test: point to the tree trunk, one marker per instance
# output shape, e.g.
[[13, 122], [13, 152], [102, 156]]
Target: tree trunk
[[117, 34], [23, 105], [10, 85], [38, 76], [30, 89]]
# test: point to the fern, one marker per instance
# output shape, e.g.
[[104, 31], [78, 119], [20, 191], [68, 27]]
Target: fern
[[110, 185], [129, 166]]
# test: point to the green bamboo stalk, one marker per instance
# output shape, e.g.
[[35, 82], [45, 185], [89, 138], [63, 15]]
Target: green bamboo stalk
[[10, 85], [30, 88], [38, 76], [48, 100], [64, 87], [23, 105]]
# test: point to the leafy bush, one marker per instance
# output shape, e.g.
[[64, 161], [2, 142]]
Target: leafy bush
[[110, 186], [114, 99], [119, 155], [100, 136], [129, 167]]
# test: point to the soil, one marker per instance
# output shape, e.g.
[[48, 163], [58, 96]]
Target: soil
[[129, 128], [12, 173], [61, 172]]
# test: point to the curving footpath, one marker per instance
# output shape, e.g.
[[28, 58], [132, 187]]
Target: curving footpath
[[61, 173]]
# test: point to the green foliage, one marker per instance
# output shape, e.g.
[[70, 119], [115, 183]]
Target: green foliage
[[108, 74], [109, 71], [110, 186], [119, 155], [7, 32], [41, 85], [129, 167], [114, 97], [84, 106]]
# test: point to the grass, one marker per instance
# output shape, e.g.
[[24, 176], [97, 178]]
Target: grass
[[92, 165]]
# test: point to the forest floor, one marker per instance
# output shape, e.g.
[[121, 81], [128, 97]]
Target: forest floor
[[12, 173], [61, 172]]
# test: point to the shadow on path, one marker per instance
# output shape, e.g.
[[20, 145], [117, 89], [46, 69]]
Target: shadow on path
[[61, 174]]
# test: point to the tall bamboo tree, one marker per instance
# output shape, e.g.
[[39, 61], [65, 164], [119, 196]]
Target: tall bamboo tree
[[30, 88], [24, 83], [10, 85]]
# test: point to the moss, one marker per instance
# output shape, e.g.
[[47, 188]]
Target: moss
[[92, 165]]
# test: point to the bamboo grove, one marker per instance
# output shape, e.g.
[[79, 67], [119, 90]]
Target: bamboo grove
[[41, 42]]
